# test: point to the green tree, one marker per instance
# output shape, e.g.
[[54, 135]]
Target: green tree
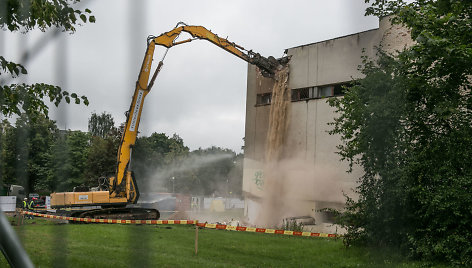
[[101, 161], [163, 163], [24, 16], [155, 155], [69, 160], [59, 164], [7, 168], [101, 125], [103, 149], [78, 144], [408, 125], [102, 154], [206, 172], [27, 152]]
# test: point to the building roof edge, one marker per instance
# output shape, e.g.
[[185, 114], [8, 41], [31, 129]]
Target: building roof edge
[[344, 36]]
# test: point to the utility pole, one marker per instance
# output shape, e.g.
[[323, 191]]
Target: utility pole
[[173, 184]]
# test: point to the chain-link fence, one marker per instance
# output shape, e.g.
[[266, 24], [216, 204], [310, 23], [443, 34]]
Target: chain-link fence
[[30, 153]]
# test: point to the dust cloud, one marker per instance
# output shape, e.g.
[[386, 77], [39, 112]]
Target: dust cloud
[[161, 175], [291, 184]]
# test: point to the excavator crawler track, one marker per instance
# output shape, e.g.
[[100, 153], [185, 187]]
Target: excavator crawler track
[[119, 214]]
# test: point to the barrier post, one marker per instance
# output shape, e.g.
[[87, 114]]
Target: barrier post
[[19, 217], [196, 238]]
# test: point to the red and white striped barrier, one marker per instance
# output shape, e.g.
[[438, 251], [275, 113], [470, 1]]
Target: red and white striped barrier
[[263, 230], [110, 220], [193, 222]]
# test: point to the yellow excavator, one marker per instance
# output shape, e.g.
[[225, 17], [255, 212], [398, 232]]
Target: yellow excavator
[[121, 189]]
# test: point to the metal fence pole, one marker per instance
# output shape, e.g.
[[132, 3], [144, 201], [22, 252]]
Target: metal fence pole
[[11, 246]]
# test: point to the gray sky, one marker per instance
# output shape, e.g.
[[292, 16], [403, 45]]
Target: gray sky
[[200, 93]]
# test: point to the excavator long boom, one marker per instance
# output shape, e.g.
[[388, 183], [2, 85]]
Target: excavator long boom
[[123, 184], [168, 39]]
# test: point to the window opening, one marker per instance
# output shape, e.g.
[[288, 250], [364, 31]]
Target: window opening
[[326, 91], [264, 99], [307, 93], [302, 93]]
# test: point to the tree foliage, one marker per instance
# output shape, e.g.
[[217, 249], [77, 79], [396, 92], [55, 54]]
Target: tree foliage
[[7, 173], [37, 155], [101, 125], [166, 162], [408, 124], [103, 148], [101, 159], [211, 172], [24, 16], [69, 160], [26, 151], [19, 98], [156, 152]]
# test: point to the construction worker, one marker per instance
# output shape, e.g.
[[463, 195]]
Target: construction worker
[[28, 206]]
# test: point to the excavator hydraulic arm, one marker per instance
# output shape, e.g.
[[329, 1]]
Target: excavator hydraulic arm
[[168, 39], [123, 184]]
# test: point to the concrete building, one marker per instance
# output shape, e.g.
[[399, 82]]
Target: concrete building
[[315, 176]]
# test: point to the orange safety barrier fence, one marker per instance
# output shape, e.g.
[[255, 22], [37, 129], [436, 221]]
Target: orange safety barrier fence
[[193, 222]]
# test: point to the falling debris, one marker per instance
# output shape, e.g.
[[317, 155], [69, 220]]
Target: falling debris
[[272, 204], [278, 118], [291, 183]]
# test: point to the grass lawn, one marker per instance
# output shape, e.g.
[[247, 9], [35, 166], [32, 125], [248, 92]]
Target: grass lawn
[[100, 245]]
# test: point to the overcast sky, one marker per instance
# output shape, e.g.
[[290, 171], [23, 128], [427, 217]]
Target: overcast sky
[[200, 93]]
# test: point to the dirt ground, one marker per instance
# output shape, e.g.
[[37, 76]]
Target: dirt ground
[[225, 217]]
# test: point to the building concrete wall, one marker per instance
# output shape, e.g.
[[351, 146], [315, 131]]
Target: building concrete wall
[[330, 61], [307, 138]]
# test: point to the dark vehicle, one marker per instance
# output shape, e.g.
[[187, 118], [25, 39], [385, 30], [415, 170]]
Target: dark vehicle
[[39, 202]]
